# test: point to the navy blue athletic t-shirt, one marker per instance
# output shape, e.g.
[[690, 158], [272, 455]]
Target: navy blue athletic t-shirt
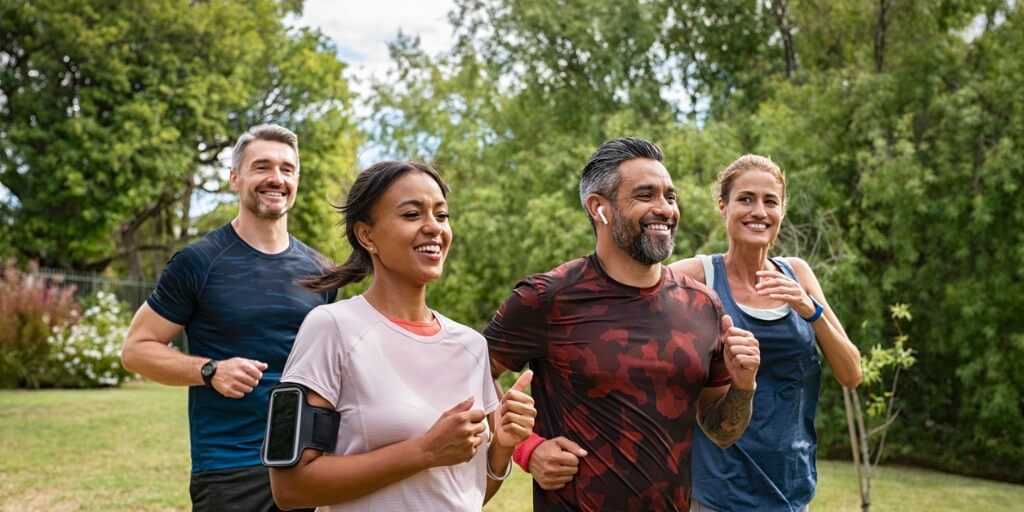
[[235, 301]]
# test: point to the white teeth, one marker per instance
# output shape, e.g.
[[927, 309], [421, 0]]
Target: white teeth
[[657, 227], [755, 225], [428, 248], [271, 193]]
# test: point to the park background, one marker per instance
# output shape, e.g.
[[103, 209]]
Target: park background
[[899, 124]]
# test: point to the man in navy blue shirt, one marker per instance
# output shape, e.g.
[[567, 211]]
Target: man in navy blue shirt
[[234, 294]]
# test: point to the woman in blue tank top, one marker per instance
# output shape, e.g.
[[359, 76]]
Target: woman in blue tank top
[[772, 467]]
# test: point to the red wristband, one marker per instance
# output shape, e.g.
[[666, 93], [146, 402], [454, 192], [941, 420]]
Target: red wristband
[[522, 452]]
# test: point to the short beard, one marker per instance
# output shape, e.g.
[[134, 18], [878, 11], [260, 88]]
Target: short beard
[[643, 249], [265, 215], [254, 207]]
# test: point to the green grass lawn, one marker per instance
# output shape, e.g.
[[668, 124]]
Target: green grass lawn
[[127, 449]]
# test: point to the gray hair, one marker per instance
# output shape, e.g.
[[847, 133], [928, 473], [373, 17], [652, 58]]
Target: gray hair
[[271, 132], [601, 174]]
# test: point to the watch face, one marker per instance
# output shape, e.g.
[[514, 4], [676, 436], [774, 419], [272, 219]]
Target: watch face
[[208, 369]]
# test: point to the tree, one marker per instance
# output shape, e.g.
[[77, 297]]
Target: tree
[[113, 116], [897, 123], [881, 403]]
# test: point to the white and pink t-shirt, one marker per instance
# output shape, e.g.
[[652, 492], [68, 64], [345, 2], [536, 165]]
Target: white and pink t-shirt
[[391, 385]]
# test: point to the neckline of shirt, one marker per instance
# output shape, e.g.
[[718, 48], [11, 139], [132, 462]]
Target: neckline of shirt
[[237, 237], [405, 332], [650, 290]]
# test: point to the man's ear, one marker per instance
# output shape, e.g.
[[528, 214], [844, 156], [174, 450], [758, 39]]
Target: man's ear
[[594, 204], [233, 179]]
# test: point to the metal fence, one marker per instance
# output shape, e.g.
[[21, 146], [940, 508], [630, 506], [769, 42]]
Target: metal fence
[[130, 291]]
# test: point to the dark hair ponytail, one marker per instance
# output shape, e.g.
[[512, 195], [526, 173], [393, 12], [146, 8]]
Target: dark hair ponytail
[[367, 189]]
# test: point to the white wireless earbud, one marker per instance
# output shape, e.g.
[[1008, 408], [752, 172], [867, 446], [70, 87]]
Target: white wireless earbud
[[600, 213]]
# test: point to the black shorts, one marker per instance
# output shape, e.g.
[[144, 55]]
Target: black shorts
[[236, 489]]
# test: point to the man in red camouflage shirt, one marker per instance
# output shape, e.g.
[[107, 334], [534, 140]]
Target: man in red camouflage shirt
[[627, 355]]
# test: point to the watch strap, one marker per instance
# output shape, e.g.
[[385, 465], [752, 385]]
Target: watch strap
[[208, 375], [818, 310]]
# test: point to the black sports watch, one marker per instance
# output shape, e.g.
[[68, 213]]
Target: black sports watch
[[208, 371]]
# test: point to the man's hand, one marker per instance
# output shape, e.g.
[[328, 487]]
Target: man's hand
[[742, 355], [554, 462], [455, 436], [236, 377], [515, 413]]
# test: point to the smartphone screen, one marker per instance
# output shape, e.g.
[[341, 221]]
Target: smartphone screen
[[282, 440]]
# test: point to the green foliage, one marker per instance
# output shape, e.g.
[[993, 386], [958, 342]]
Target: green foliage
[[899, 125], [113, 116], [87, 353], [880, 363], [31, 308], [899, 131]]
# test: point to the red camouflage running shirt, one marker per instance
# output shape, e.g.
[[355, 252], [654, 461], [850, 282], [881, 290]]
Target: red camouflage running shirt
[[618, 370]]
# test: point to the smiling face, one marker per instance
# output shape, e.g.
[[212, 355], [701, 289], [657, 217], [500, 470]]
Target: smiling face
[[754, 210], [410, 235], [645, 213], [267, 179]]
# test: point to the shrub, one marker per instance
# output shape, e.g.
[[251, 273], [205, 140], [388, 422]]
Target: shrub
[[30, 308], [87, 354]]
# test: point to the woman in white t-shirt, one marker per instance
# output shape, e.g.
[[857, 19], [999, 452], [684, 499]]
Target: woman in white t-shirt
[[422, 426]]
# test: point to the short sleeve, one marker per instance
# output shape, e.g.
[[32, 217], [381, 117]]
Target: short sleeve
[[176, 294], [318, 356], [518, 332], [489, 393]]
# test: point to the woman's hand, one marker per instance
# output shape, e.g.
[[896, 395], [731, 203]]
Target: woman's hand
[[775, 284], [455, 436], [516, 413]]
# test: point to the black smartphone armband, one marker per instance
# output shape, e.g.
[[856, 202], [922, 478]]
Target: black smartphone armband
[[294, 425]]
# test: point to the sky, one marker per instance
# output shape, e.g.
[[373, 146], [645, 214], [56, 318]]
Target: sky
[[363, 29], [361, 35]]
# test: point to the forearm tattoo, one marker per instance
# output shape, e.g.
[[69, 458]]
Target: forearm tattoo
[[725, 420]]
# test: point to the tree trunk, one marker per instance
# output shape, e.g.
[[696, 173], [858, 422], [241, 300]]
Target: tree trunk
[[186, 207], [128, 235], [130, 243], [881, 27], [780, 8]]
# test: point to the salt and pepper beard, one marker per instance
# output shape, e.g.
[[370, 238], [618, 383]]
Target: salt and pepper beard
[[646, 250], [252, 203]]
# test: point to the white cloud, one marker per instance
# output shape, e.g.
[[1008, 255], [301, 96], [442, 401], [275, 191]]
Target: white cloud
[[362, 30]]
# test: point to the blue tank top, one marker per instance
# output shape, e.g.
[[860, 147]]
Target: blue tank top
[[772, 466]]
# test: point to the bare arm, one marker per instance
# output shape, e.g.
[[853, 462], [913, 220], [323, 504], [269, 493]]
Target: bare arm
[[842, 355], [147, 351], [690, 267], [723, 413], [511, 423], [499, 457], [319, 479]]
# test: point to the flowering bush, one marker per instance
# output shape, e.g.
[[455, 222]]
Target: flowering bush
[[30, 307], [88, 353]]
